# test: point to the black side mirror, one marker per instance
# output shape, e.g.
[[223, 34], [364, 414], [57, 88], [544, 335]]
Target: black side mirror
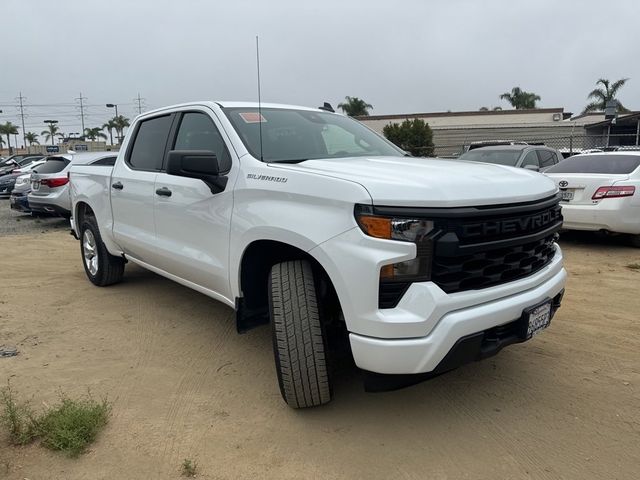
[[201, 164]]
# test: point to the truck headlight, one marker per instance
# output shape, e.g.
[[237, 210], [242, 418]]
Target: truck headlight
[[415, 230]]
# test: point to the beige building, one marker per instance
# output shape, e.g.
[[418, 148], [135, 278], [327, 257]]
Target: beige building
[[453, 131]]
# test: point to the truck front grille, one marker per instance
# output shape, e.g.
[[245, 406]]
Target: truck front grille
[[482, 249]]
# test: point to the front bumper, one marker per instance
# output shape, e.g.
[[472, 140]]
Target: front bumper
[[425, 354], [21, 204]]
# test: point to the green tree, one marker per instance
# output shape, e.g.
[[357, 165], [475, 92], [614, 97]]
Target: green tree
[[8, 129], [604, 94], [94, 133], [120, 123], [110, 127], [51, 132], [355, 107], [413, 136], [519, 99], [31, 138]]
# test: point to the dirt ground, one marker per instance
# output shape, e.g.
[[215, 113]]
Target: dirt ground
[[185, 385]]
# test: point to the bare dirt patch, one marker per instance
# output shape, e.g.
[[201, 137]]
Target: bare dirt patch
[[184, 385]]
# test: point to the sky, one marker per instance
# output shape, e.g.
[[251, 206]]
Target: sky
[[405, 56]]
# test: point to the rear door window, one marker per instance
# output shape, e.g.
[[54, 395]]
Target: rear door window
[[594, 163], [52, 165], [547, 158], [149, 144]]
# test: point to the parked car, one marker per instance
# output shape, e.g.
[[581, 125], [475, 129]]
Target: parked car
[[8, 181], [531, 157], [310, 221], [600, 192], [18, 200], [49, 182], [18, 161]]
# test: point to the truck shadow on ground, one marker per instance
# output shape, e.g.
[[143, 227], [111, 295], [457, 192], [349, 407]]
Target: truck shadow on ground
[[579, 238], [477, 383]]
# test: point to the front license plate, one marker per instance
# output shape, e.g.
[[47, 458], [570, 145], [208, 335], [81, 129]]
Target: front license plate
[[566, 196], [538, 318]]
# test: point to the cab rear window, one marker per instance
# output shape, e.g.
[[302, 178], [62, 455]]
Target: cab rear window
[[52, 165], [594, 163]]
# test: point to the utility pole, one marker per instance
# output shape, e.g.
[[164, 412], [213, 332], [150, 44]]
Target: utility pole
[[81, 99], [24, 138], [139, 101]]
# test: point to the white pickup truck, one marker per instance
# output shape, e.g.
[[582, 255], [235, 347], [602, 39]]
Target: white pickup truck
[[307, 220]]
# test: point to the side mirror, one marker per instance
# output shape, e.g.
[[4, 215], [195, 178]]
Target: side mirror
[[201, 164], [532, 167]]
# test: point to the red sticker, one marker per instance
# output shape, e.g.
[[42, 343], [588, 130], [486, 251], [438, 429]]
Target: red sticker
[[252, 117]]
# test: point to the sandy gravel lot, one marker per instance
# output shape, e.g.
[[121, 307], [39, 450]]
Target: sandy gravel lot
[[184, 385]]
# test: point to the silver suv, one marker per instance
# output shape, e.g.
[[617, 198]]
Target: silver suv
[[50, 181], [531, 157]]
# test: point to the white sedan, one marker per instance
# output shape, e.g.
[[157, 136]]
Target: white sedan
[[600, 192]]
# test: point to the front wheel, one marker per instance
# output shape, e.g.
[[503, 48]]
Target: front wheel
[[299, 342], [101, 267]]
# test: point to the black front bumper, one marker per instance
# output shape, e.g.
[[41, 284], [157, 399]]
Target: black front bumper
[[467, 349]]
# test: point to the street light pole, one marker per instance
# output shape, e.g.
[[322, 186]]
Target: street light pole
[[51, 122], [113, 105]]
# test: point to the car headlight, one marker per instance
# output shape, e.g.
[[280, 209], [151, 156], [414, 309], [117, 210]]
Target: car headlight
[[22, 180], [416, 230]]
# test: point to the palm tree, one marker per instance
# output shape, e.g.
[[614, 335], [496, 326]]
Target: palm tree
[[355, 107], [94, 133], [109, 126], [31, 138], [51, 133], [519, 99], [120, 123], [606, 94], [8, 129]]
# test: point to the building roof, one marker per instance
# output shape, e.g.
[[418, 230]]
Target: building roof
[[620, 119], [496, 113]]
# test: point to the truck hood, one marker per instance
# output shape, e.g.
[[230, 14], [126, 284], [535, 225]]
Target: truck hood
[[407, 181]]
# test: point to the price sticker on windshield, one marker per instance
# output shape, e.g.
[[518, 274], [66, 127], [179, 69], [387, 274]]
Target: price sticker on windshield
[[252, 117]]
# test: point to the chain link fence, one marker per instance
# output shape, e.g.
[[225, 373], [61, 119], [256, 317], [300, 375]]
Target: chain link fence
[[566, 144]]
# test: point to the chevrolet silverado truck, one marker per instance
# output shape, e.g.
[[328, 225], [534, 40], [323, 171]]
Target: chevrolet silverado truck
[[306, 220]]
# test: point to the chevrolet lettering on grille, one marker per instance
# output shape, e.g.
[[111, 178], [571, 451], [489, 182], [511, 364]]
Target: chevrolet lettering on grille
[[511, 225]]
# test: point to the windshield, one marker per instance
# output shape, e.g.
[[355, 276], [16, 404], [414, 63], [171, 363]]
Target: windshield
[[500, 157], [594, 163], [297, 135]]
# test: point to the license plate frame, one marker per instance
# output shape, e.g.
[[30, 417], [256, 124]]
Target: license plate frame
[[537, 318], [566, 195]]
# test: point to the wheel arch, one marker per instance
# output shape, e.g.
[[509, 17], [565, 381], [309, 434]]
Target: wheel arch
[[254, 269]]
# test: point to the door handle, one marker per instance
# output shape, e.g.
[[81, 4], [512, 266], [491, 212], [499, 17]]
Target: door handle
[[117, 186], [163, 192]]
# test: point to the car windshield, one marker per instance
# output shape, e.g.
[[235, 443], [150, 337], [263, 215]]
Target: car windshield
[[500, 157], [594, 163], [290, 135]]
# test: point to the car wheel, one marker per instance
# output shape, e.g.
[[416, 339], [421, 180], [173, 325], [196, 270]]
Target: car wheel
[[299, 342], [101, 267]]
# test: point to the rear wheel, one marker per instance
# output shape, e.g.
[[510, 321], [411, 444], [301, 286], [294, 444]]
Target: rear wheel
[[101, 267], [299, 342]]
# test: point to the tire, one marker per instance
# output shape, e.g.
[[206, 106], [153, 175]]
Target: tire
[[101, 267], [299, 343]]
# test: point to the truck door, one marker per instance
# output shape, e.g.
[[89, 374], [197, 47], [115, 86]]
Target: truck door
[[192, 224], [132, 188]]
